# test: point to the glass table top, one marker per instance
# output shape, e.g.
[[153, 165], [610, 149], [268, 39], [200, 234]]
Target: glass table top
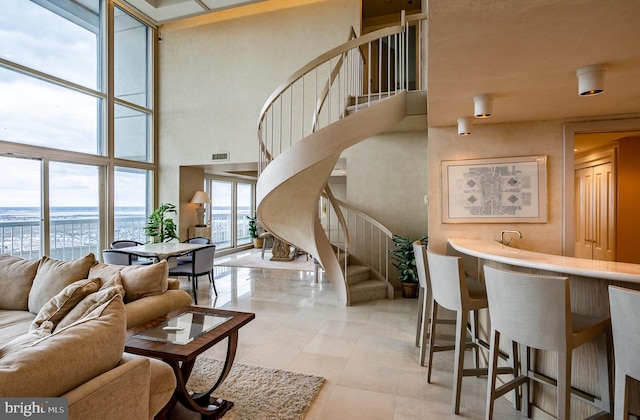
[[183, 328]]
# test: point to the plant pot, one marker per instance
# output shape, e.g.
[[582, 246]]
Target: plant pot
[[258, 242], [409, 290]]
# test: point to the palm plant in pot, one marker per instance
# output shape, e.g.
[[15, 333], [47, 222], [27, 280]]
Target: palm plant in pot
[[159, 227], [253, 231], [404, 261]]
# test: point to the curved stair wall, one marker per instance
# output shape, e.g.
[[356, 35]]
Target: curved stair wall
[[305, 126]]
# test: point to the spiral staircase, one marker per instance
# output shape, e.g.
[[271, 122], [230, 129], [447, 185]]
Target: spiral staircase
[[346, 95]]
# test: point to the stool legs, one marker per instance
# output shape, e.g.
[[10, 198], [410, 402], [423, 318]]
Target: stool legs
[[458, 367]]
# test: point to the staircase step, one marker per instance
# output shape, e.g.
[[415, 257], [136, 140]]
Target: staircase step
[[367, 290], [357, 274]]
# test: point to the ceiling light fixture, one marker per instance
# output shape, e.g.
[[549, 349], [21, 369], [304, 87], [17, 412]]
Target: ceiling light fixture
[[482, 106], [464, 126], [591, 79]]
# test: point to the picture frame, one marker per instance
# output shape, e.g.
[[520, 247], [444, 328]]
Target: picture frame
[[495, 190]]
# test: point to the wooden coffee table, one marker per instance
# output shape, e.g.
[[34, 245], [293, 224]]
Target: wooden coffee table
[[178, 338]]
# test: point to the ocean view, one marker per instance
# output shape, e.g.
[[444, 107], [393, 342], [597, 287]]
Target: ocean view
[[33, 213], [74, 231]]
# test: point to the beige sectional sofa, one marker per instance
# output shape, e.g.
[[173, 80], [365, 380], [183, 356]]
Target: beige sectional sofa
[[62, 334]]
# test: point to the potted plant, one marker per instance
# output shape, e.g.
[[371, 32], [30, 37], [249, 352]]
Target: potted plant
[[253, 231], [405, 263], [159, 227]]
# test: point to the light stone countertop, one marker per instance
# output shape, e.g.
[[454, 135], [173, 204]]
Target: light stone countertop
[[495, 251]]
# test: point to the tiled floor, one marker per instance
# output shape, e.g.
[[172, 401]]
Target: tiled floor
[[366, 352]]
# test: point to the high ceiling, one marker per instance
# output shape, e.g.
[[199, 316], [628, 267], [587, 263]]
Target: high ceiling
[[161, 11], [526, 53]]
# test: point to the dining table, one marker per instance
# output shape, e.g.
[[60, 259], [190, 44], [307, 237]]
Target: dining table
[[162, 250]]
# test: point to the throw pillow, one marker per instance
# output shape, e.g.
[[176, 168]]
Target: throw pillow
[[144, 280], [54, 275], [60, 305], [16, 278], [71, 356], [87, 305], [107, 272]]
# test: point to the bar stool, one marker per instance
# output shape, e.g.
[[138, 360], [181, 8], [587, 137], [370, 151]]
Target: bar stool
[[452, 289], [424, 299], [625, 306], [535, 311]]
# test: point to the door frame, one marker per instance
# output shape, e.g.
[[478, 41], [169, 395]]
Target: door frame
[[570, 129]]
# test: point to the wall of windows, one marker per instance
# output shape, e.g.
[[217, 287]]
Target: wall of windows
[[76, 126]]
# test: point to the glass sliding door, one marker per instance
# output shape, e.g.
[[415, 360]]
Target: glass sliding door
[[74, 200], [221, 213], [231, 202], [244, 208], [20, 207]]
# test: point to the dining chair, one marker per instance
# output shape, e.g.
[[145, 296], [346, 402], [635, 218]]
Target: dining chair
[[189, 257], [535, 311], [115, 257], [201, 264], [135, 260], [625, 308], [452, 289]]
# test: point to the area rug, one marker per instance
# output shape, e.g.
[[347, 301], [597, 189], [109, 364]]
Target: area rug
[[254, 261], [257, 393]]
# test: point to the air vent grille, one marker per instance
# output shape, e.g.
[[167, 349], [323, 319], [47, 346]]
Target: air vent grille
[[220, 156]]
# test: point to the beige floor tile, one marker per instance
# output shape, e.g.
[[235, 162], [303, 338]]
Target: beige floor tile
[[366, 352], [356, 404]]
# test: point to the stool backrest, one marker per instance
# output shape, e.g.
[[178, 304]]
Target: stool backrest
[[625, 308], [532, 309], [420, 254], [448, 281]]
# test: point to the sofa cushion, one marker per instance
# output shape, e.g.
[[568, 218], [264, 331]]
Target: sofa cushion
[[60, 305], [54, 275], [138, 280], [50, 366], [14, 324], [16, 278]]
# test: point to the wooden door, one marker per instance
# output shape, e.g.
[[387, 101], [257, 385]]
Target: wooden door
[[595, 212]]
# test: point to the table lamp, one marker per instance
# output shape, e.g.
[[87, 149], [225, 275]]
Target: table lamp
[[200, 198]]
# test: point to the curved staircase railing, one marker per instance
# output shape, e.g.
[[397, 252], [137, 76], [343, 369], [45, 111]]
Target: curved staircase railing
[[338, 99]]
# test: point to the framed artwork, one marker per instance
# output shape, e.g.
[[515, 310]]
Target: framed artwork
[[495, 190]]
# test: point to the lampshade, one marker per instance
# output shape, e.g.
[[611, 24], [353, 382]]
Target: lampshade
[[464, 126], [591, 79], [482, 106], [200, 197]]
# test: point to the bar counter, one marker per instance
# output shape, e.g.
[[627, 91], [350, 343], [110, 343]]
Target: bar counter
[[588, 282]]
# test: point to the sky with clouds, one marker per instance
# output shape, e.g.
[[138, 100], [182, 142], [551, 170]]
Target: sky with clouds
[[40, 113]]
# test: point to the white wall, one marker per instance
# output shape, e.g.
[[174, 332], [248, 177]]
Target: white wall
[[388, 177]]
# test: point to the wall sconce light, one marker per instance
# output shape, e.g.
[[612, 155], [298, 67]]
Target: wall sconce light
[[200, 198], [591, 79], [464, 126], [482, 106]]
